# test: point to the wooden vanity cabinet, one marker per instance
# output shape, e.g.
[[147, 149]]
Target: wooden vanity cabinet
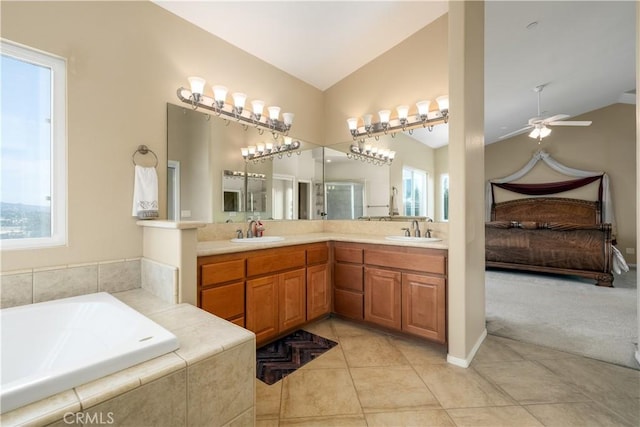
[[348, 280], [318, 281], [221, 286], [382, 297]]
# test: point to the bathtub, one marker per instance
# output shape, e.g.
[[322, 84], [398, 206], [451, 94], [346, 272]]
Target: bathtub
[[54, 346]]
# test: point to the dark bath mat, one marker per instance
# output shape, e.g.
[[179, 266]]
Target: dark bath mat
[[280, 358]]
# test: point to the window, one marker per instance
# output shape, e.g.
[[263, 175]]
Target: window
[[32, 148], [414, 182], [444, 191]]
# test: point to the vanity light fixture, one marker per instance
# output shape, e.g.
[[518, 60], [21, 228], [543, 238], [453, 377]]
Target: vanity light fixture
[[370, 154], [404, 122], [218, 105], [269, 150]]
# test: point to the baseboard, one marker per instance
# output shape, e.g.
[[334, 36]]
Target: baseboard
[[638, 356], [464, 363]]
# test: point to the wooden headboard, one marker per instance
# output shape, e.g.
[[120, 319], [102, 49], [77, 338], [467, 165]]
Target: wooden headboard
[[548, 209]]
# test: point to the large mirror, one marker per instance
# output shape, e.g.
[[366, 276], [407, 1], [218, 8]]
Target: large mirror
[[415, 184], [208, 179]]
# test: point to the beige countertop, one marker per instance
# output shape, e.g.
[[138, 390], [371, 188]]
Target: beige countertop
[[217, 247]]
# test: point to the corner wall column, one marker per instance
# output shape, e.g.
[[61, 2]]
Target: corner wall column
[[466, 294]]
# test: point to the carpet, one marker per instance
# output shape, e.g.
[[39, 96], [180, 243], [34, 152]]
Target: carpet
[[565, 313], [282, 357]]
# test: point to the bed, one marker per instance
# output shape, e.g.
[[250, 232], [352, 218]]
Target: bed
[[551, 235]]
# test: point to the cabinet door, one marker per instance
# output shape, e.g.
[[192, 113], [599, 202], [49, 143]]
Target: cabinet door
[[318, 291], [348, 276], [262, 307], [293, 301], [423, 306], [382, 303], [226, 301]]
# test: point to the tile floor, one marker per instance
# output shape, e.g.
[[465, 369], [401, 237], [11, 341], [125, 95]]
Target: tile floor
[[375, 379]]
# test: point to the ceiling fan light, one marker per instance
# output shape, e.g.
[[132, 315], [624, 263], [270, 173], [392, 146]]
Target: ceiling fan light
[[544, 132], [534, 133]]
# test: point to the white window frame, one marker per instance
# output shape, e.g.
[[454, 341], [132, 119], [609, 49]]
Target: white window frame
[[425, 203], [58, 67], [443, 177]]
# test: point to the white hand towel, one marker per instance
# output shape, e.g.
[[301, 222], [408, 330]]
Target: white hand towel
[[619, 264], [145, 193]]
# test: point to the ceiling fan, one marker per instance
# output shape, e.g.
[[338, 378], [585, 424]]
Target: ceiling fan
[[539, 124]]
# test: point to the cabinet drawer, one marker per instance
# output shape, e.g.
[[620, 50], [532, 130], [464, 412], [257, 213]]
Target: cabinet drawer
[[221, 272], [348, 304], [348, 276], [424, 262], [226, 301], [348, 254], [317, 254], [275, 261]]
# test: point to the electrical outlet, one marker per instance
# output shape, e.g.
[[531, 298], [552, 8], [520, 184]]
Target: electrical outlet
[[630, 251]]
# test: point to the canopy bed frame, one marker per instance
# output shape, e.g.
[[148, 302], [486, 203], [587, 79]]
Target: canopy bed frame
[[553, 234]]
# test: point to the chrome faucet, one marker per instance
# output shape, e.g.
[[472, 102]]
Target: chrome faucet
[[239, 234], [428, 233], [406, 232], [252, 223], [416, 228]]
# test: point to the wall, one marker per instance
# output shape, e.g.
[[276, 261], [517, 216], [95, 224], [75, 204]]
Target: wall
[[125, 62], [608, 145]]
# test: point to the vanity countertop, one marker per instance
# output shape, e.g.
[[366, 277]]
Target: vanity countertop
[[217, 247]]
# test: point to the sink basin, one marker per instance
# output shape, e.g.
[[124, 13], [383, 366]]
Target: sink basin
[[263, 239], [413, 239]]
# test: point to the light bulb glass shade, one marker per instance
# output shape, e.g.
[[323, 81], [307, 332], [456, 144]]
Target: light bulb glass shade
[[423, 107], [544, 132], [269, 146], [219, 93], [384, 116], [374, 150], [367, 118], [534, 133], [239, 99], [353, 123], [287, 141], [274, 113], [244, 151], [392, 155], [258, 107], [197, 84], [384, 152], [367, 148], [252, 150], [260, 148], [443, 102], [287, 118], [403, 111]]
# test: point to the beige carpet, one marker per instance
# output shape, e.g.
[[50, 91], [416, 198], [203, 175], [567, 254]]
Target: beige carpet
[[566, 313]]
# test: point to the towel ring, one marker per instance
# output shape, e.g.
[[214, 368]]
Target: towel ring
[[144, 150]]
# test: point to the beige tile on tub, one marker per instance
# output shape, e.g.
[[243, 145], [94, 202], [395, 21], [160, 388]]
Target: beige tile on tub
[[456, 387], [528, 382], [66, 282], [118, 276], [319, 392], [391, 388], [421, 418], [582, 414], [500, 416], [42, 412], [16, 289]]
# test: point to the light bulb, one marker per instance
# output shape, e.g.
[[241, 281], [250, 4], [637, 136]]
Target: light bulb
[[287, 118], [544, 132], [260, 148], [367, 118], [252, 150], [197, 85], [244, 151], [353, 123], [423, 108], [443, 102], [384, 115], [258, 108], [287, 141], [274, 113], [403, 112], [238, 100], [534, 133], [269, 146], [220, 95]]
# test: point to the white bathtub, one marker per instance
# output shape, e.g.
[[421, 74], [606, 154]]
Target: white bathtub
[[54, 346]]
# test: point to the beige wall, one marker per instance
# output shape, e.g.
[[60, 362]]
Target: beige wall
[[608, 145], [125, 62], [414, 70]]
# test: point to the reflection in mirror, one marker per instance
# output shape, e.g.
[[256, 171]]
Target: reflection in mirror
[[407, 188], [202, 147]]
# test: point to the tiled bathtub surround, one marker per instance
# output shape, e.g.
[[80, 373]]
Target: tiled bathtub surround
[[209, 380], [160, 279], [45, 284]]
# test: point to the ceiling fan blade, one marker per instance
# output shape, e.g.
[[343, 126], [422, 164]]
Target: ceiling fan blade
[[516, 132], [571, 123], [556, 118]]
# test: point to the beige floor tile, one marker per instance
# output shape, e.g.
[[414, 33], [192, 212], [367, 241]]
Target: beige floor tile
[[628, 409], [274, 422], [532, 351], [493, 350], [575, 414], [456, 387], [365, 350], [268, 399], [422, 418], [503, 416], [339, 421], [391, 388], [324, 328], [597, 379], [343, 328], [528, 382], [333, 358], [420, 353], [319, 392]]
